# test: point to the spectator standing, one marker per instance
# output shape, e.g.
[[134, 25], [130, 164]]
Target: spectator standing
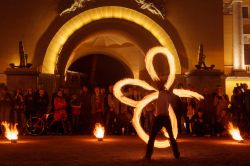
[[76, 109], [30, 103], [113, 111], [97, 104], [220, 104], [19, 111], [191, 110], [41, 102], [206, 107], [85, 115], [105, 101], [60, 110]]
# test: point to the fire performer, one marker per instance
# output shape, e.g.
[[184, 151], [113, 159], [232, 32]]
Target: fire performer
[[165, 98]]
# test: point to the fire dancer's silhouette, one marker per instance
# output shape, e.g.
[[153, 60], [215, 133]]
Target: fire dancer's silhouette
[[162, 119]]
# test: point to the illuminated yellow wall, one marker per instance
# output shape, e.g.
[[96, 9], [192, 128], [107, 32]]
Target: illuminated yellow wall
[[194, 21], [23, 20], [228, 37], [228, 43], [199, 22], [246, 2]]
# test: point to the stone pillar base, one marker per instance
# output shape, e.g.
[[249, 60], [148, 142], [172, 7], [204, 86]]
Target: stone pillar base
[[22, 78], [240, 73], [200, 79], [50, 82]]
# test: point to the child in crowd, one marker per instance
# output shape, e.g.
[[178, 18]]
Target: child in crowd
[[198, 124]]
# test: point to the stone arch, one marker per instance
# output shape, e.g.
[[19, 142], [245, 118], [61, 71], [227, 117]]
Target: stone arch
[[108, 53], [63, 34]]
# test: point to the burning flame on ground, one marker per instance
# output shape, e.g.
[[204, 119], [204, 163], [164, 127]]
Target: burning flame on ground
[[99, 131], [234, 132], [11, 131]]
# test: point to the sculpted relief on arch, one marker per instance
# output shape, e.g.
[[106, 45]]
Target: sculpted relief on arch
[[156, 7]]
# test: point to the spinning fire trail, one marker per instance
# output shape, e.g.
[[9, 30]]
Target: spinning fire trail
[[139, 105]]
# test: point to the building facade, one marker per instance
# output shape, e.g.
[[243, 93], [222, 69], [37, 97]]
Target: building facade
[[55, 34]]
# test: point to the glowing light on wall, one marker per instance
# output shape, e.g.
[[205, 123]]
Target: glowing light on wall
[[238, 59], [100, 13], [139, 105]]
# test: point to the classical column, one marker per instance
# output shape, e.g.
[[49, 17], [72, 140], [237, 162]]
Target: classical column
[[238, 43]]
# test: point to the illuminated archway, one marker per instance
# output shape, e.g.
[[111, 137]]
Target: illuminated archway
[[99, 13], [135, 68], [113, 43]]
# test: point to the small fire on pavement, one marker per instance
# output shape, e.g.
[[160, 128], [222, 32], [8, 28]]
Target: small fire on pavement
[[11, 132], [99, 131], [234, 132]]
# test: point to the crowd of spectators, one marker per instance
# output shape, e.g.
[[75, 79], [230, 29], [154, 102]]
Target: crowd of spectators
[[212, 115], [77, 113]]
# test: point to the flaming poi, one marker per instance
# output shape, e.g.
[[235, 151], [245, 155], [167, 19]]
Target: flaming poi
[[139, 105], [99, 131], [11, 132], [234, 132]]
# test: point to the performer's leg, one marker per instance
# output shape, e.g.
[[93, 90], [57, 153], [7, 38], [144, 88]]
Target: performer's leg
[[155, 129], [167, 124]]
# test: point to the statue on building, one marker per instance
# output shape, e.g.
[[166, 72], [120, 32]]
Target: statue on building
[[150, 7], [201, 60], [77, 4], [144, 4], [23, 57], [227, 7]]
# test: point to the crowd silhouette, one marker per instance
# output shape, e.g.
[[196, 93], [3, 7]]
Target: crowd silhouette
[[77, 113]]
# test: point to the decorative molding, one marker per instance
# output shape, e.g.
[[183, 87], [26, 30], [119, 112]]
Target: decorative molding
[[150, 7], [144, 4], [227, 7], [246, 38], [76, 5]]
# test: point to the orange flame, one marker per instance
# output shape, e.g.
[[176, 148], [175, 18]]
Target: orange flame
[[99, 131], [11, 131], [235, 132]]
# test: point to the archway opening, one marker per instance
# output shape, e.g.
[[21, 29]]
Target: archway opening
[[105, 12], [100, 70]]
